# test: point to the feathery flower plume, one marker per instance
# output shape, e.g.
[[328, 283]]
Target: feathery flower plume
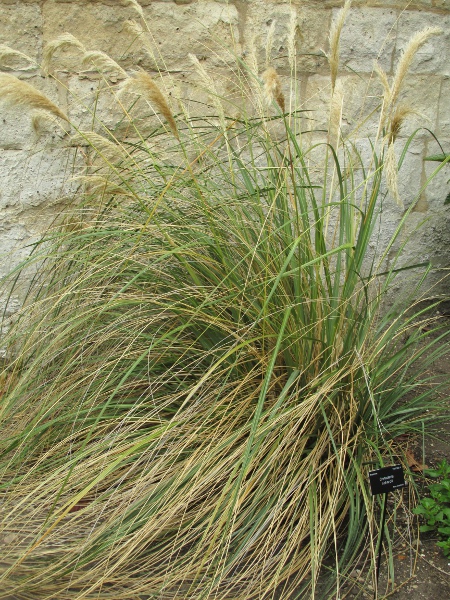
[[383, 80], [13, 91], [209, 84], [137, 30], [292, 38], [269, 43], [134, 4], [108, 149], [102, 62], [7, 53], [336, 105], [41, 119], [391, 174], [141, 83], [397, 120], [406, 58], [66, 40], [272, 87], [334, 40], [98, 183]]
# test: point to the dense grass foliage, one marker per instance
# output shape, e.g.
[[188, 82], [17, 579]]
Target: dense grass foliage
[[201, 376]]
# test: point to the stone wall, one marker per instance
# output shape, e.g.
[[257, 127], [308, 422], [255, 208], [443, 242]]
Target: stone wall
[[35, 170]]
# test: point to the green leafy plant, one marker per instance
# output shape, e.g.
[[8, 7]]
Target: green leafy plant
[[435, 509], [202, 371]]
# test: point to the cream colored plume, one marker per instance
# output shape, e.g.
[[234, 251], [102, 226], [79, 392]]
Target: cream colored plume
[[7, 53], [137, 30], [62, 42], [292, 38], [134, 4], [334, 40], [406, 58], [272, 87], [397, 119], [269, 43], [106, 148], [210, 86], [391, 174], [142, 84], [102, 62], [15, 92], [41, 120]]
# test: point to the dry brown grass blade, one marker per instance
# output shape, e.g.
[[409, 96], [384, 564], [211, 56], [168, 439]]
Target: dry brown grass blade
[[13, 91]]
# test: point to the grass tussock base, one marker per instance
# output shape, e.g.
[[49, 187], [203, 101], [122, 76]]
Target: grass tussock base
[[201, 376]]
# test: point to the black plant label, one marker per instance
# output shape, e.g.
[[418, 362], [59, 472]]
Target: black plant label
[[387, 479]]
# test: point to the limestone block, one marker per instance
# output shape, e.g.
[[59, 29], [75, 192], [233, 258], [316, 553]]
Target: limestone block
[[21, 27], [421, 93], [443, 124], [434, 56], [30, 180], [175, 31], [439, 186], [368, 35], [311, 39], [207, 29]]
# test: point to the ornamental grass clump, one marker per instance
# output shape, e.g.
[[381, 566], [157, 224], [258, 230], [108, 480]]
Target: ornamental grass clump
[[201, 375]]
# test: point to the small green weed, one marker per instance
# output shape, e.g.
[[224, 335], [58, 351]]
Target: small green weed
[[436, 509]]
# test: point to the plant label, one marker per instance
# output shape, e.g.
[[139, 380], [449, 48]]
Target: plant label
[[386, 479]]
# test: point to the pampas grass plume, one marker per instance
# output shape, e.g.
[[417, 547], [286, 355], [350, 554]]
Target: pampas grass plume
[[406, 58], [397, 119], [292, 37], [334, 40], [13, 91], [102, 62], [272, 87], [141, 83], [269, 43], [134, 4], [7, 53], [391, 174], [66, 40], [108, 149]]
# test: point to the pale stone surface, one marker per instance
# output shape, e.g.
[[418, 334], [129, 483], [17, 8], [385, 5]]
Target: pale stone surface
[[421, 93], [443, 125], [21, 27], [368, 34], [32, 179]]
